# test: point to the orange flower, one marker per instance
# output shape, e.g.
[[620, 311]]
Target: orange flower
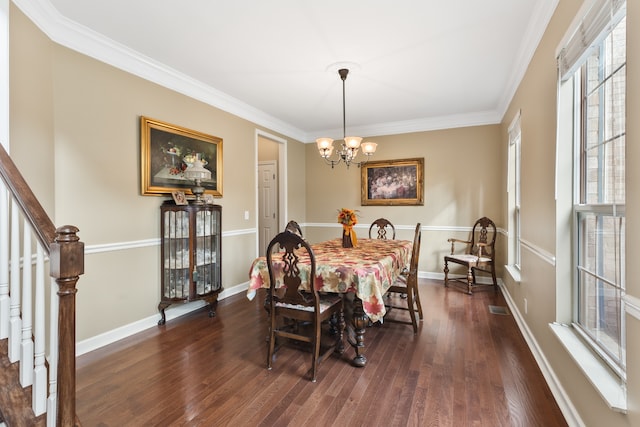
[[347, 217]]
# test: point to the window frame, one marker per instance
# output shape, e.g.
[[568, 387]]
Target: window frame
[[582, 207], [514, 188]]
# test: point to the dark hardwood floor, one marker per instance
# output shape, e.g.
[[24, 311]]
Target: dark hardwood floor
[[466, 367]]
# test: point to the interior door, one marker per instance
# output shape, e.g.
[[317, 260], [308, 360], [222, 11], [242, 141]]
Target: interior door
[[268, 203]]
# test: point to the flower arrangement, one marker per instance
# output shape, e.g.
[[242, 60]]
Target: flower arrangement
[[348, 218]]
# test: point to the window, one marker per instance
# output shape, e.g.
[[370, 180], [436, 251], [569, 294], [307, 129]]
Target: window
[[597, 74], [599, 211], [514, 194]]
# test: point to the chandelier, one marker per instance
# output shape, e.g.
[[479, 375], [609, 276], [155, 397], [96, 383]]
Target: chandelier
[[350, 144]]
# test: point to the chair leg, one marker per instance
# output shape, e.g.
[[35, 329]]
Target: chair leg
[[412, 311], [272, 344], [470, 280], [316, 350], [417, 299], [495, 282], [446, 273]]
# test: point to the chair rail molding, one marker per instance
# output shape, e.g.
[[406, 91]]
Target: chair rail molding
[[632, 305], [537, 250]]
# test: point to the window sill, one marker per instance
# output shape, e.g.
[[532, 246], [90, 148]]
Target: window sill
[[608, 385], [514, 272]]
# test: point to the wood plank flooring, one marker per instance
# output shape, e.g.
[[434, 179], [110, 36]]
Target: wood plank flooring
[[465, 367]]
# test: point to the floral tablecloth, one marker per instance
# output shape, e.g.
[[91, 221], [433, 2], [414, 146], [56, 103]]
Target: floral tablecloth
[[368, 270]]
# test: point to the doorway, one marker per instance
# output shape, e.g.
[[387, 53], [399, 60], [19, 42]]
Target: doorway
[[270, 188], [267, 203]]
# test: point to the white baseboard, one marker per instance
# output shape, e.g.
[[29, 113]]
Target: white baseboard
[[172, 312]]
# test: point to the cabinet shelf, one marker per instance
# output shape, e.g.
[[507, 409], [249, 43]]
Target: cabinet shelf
[[190, 255]]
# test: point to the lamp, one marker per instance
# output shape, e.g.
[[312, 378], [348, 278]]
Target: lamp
[[196, 172], [350, 144]]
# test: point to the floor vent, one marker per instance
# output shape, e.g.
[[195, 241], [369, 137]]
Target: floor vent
[[498, 309]]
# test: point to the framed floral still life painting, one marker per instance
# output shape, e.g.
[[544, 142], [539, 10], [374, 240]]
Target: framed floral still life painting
[[393, 182], [166, 151]]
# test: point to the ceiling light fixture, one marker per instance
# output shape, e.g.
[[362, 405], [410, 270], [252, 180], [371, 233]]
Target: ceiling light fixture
[[350, 144]]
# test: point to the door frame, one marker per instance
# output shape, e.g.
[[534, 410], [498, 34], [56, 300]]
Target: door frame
[[282, 181]]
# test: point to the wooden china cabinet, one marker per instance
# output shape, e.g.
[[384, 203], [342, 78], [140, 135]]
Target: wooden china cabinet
[[190, 254]]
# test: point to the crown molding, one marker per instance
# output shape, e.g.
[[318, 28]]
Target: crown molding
[[81, 39], [88, 42], [535, 31], [417, 125]]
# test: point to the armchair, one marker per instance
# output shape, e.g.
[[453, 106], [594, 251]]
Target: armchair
[[479, 254]]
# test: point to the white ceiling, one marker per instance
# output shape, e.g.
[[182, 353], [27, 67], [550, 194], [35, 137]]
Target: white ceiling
[[414, 64]]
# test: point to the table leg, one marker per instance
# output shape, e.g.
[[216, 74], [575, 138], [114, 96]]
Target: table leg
[[360, 321], [356, 325]]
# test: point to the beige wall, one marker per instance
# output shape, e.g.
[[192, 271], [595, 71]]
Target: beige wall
[[31, 96], [462, 182], [544, 283], [75, 123], [267, 149], [81, 117]]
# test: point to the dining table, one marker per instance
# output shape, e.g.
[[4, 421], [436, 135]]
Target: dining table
[[362, 274]]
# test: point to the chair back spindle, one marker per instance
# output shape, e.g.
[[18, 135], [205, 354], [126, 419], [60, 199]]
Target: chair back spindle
[[383, 229], [294, 227]]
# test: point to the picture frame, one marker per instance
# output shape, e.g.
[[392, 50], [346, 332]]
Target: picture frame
[[393, 182], [164, 153], [179, 198]]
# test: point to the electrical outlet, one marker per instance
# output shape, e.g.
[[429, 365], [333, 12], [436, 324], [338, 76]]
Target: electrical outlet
[[525, 306]]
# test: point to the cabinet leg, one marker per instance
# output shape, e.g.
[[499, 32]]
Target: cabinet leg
[[163, 318], [213, 305]]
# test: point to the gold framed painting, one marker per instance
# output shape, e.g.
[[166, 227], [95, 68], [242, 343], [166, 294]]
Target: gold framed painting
[[165, 150], [393, 182]]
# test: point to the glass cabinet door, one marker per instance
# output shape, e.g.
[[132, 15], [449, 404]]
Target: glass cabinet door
[[206, 252], [176, 255]]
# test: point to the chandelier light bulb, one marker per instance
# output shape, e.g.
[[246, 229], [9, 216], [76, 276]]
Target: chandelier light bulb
[[324, 143], [352, 141], [369, 148]]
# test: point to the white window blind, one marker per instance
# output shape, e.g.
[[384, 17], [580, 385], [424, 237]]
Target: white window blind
[[595, 20]]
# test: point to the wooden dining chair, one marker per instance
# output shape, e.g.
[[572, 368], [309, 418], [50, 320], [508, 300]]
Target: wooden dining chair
[[294, 227], [382, 228], [478, 255], [307, 308], [407, 284]]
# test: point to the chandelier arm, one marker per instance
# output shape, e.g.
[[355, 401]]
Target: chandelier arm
[[332, 162]]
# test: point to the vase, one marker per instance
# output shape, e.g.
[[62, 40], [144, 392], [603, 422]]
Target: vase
[[346, 239]]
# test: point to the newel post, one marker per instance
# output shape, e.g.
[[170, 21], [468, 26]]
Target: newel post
[[67, 264]]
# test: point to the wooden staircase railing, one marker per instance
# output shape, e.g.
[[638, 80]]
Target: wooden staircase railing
[[66, 263]]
